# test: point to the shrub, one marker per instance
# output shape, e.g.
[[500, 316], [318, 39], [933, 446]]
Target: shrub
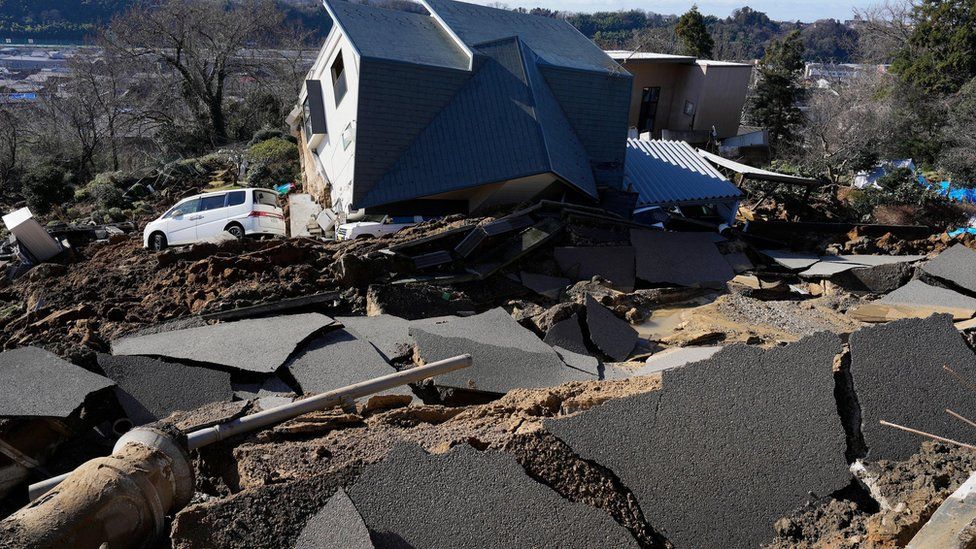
[[115, 214], [47, 187], [272, 162]]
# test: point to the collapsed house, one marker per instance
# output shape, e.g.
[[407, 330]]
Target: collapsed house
[[469, 107]]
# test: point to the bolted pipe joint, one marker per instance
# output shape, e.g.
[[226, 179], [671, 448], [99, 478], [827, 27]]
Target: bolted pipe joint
[[121, 500]]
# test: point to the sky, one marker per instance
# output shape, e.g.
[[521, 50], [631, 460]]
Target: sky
[[779, 10]]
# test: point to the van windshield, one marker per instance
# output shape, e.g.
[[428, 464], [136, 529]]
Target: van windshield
[[266, 198]]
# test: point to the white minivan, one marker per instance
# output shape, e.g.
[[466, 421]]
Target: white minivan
[[240, 212]]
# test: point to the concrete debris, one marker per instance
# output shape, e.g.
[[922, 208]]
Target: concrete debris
[[150, 389], [337, 525], [389, 334], [879, 280], [899, 376], [950, 524], [831, 265], [471, 498], [676, 358], [612, 263], [917, 300], [956, 265], [506, 355], [727, 446], [267, 386], [610, 334], [254, 345], [584, 363], [567, 335], [792, 260], [544, 285], [31, 237], [684, 259], [37, 383], [338, 359]]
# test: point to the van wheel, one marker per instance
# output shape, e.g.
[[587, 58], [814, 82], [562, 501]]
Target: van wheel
[[235, 230], [157, 242]]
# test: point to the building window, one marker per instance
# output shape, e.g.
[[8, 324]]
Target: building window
[[338, 79], [689, 108], [307, 120], [648, 109], [347, 136]]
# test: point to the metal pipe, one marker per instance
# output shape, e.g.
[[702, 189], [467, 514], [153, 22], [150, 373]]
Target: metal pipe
[[210, 435]]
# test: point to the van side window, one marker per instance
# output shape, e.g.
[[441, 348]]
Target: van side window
[[236, 198], [266, 198], [188, 207], [211, 202]]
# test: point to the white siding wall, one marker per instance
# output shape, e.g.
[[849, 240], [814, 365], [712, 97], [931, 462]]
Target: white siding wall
[[336, 160]]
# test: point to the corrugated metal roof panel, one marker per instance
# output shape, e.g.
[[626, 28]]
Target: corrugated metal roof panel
[[672, 172]]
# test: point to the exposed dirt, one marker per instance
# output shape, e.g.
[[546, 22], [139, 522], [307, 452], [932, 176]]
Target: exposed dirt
[[293, 457], [908, 492]]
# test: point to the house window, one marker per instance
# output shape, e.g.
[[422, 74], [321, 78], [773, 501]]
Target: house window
[[338, 79], [648, 109], [347, 136], [689, 108], [307, 118]]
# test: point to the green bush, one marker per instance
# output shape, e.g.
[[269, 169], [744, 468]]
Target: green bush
[[107, 195], [272, 162], [115, 214], [47, 187]]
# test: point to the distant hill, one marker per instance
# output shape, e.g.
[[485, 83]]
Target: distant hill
[[742, 35]]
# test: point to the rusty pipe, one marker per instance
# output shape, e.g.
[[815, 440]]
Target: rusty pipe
[[209, 435]]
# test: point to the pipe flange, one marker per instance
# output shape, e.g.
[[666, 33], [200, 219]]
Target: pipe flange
[[183, 478]]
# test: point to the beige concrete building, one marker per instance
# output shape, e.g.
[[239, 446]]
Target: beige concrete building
[[684, 97]]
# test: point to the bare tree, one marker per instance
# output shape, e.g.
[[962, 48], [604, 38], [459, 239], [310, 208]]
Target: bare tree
[[883, 30], [100, 83], [200, 41], [10, 135], [845, 127]]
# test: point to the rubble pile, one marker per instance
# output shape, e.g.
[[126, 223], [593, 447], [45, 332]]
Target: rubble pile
[[654, 400]]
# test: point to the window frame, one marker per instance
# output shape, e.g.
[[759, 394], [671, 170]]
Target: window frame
[[338, 71]]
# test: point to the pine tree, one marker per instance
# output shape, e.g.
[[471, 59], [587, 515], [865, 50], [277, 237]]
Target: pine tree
[[694, 35], [940, 55], [774, 105]]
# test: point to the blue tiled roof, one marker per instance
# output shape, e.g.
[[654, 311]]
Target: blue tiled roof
[[671, 172], [555, 41], [503, 124], [397, 35]]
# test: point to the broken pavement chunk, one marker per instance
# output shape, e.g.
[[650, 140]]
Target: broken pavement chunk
[[568, 335], [899, 377], [615, 337], [389, 334], [614, 264], [791, 260], [36, 383], [338, 359], [919, 294], [337, 526], [150, 389], [544, 285], [255, 345], [506, 355], [727, 446], [469, 498], [957, 265], [685, 259], [676, 358]]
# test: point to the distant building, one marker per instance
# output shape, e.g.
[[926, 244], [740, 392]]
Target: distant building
[[682, 97], [465, 108], [839, 72]]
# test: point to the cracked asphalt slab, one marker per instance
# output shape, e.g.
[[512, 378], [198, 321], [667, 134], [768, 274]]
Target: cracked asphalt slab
[[471, 498], [149, 389], [727, 446], [27, 375], [506, 356], [687, 259], [337, 359], [615, 337], [337, 526], [256, 345], [899, 376], [614, 264], [956, 265], [389, 334], [568, 335]]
